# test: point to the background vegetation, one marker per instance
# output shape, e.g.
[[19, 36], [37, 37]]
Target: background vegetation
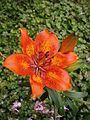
[[60, 16]]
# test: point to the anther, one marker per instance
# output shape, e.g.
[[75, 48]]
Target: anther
[[47, 54]]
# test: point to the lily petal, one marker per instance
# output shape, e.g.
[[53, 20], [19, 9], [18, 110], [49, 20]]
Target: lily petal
[[36, 86], [27, 43], [57, 79], [68, 44], [19, 64], [64, 60], [47, 42]]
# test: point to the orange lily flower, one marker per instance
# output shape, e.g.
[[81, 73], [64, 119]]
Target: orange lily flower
[[44, 60]]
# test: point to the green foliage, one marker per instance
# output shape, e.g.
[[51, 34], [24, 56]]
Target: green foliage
[[74, 66], [75, 95], [62, 17], [57, 100]]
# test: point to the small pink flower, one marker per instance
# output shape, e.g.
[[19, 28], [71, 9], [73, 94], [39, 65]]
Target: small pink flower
[[88, 59], [15, 106], [19, 82], [58, 117], [51, 118], [78, 84], [29, 118], [40, 107], [45, 111], [51, 112]]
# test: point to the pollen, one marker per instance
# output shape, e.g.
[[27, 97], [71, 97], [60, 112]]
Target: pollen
[[37, 79], [24, 64], [30, 50]]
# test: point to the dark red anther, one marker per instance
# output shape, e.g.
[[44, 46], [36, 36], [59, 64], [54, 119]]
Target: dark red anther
[[47, 54]]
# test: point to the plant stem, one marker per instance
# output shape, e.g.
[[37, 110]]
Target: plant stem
[[54, 112]]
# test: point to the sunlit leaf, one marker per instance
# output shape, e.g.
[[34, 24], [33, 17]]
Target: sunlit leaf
[[74, 66], [75, 95]]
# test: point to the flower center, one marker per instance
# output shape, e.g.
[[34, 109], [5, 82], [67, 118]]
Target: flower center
[[40, 62]]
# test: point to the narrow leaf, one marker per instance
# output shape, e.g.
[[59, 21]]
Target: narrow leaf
[[72, 106], [56, 98], [75, 95]]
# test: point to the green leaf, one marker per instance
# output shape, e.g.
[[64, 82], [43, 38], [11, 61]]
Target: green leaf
[[75, 95], [56, 98], [87, 116], [74, 66], [73, 106]]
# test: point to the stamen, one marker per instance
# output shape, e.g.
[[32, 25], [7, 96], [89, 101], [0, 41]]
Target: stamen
[[34, 61], [47, 62], [47, 54], [33, 65], [40, 62], [42, 69], [36, 71]]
